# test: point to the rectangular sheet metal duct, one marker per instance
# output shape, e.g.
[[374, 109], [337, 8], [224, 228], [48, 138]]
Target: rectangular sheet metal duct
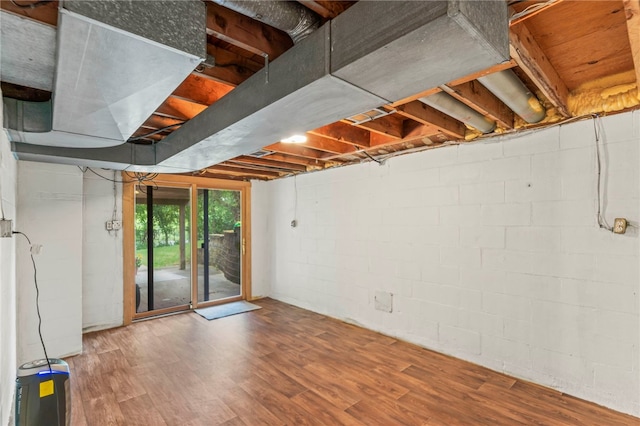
[[116, 63], [395, 50], [374, 53]]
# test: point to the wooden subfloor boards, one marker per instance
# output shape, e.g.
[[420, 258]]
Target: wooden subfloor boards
[[284, 365]]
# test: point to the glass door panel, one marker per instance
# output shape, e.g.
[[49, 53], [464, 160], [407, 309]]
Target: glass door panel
[[163, 248], [220, 240]]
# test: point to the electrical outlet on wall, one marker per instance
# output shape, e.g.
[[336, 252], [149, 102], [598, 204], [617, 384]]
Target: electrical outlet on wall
[[619, 225], [6, 230]]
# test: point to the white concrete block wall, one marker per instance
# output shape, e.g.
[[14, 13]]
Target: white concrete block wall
[[491, 250], [8, 180], [102, 262], [50, 213]]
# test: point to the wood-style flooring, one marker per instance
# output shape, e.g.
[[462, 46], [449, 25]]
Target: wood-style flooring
[[285, 365]]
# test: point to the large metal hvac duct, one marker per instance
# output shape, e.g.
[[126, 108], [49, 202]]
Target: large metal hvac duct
[[116, 63], [374, 53]]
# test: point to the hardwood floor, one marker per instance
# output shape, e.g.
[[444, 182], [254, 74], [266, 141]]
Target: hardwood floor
[[284, 365]]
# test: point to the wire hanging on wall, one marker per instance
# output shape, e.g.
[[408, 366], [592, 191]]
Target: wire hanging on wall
[[598, 130]]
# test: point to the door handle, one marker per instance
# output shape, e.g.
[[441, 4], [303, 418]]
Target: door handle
[[244, 246]]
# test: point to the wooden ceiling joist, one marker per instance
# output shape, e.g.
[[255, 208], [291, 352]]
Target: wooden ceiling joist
[[328, 145], [389, 125], [292, 159], [345, 133], [244, 159], [632, 12], [327, 9], [179, 109], [245, 32], [296, 150], [425, 114], [230, 68], [239, 171], [534, 62], [476, 96], [201, 89]]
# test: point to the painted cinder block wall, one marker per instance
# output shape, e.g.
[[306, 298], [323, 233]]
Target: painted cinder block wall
[[49, 211], [8, 184], [491, 251]]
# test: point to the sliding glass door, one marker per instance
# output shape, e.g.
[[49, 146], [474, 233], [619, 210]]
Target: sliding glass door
[[185, 244], [163, 249], [220, 244]]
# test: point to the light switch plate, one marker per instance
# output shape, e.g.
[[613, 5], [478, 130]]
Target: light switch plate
[[619, 225]]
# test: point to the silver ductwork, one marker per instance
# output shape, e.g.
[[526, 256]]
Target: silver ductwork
[[513, 93], [116, 63], [461, 112], [373, 54], [288, 16]]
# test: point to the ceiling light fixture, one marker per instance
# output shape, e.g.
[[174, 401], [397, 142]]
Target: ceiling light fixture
[[297, 138]]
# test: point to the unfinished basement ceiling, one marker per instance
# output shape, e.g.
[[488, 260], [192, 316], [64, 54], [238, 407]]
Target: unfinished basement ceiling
[[576, 57]]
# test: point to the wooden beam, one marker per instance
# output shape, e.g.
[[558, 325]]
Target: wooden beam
[[327, 9], [223, 176], [157, 122], [293, 159], [476, 96], [542, 8], [244, 159], [327, 145], [425, 114], [230, 68], [241, 171], [180, 109], [202, 90], [632, 11], [246, 33], [389, 125], [297, 150], [345, 133], [533, 61], [498, 67]]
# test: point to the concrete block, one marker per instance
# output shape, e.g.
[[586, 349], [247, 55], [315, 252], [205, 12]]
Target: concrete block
[[506, 306], [532, 143], [578, 134], [616, 269], [563, 163], [534, 239], [440, 275], [485, 280], [564, 265], [511, 168], [460, 215], [438, 196], [482, 237], [533, 189], [460, 173], [482, 193], [507, 260], [479, 151], [506, 214], [501, 349], [460, 339], [575, 187], [460, 257], [564, 213]]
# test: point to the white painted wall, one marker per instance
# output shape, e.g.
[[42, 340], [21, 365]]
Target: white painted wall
[[8, 176], [50, 213], [102, 262], [491, 251]]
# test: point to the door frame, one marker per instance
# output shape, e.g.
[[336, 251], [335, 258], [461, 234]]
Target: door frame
[[128, 237]]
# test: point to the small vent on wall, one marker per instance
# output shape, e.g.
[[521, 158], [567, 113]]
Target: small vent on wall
[[260, 153]]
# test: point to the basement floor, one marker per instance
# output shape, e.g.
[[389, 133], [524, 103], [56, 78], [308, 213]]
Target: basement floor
[[285, 365]]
